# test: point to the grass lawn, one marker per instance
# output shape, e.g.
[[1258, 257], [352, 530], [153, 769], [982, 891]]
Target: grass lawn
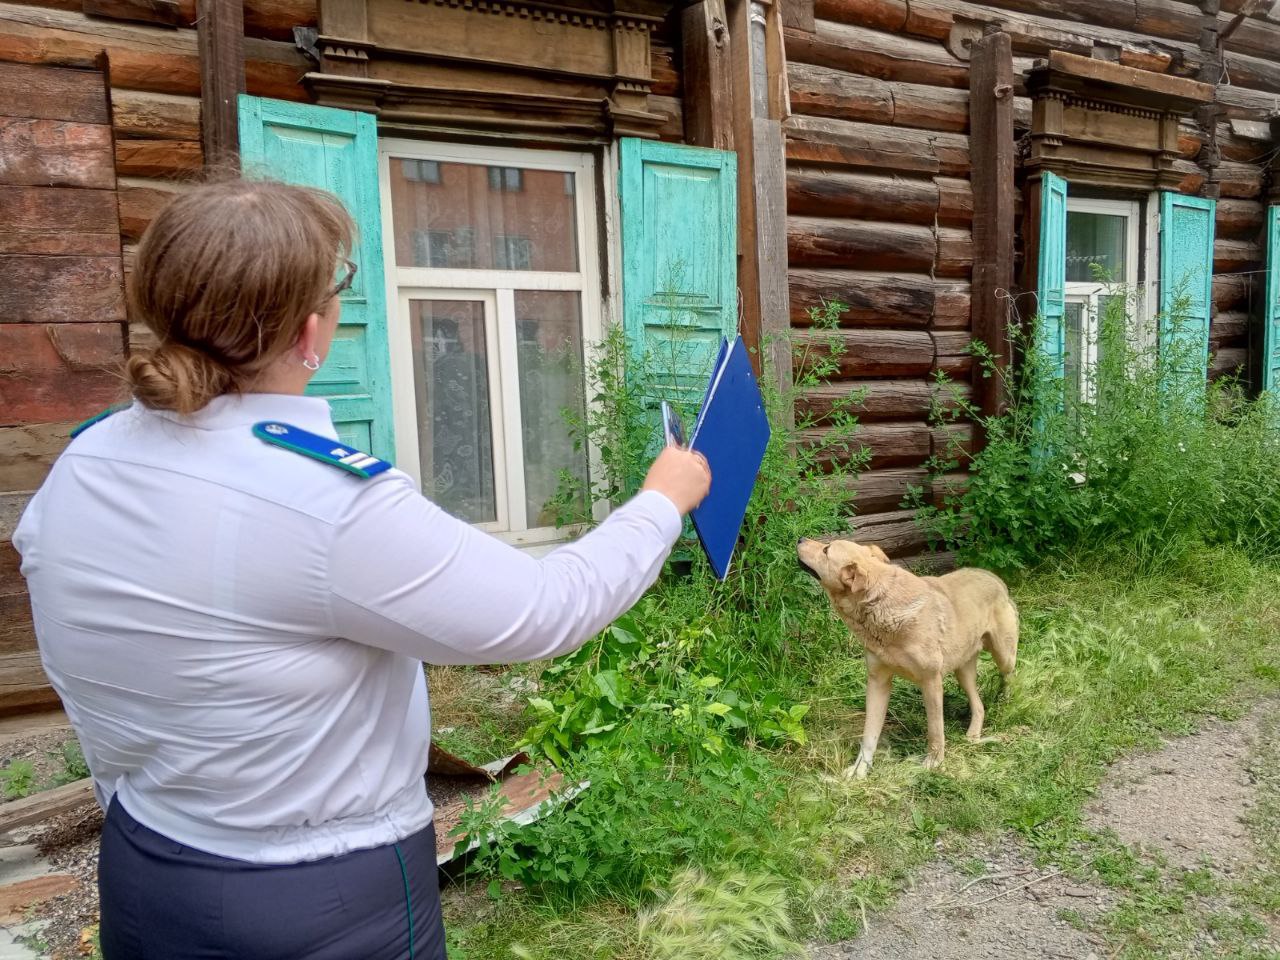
[[1112, 657]]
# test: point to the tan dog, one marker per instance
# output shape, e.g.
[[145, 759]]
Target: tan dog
[[920, 628]]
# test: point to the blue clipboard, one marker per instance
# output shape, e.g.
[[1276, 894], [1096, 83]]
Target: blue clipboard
[[732, 432]]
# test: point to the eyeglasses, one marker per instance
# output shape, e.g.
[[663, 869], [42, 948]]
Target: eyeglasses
[[347, 279]]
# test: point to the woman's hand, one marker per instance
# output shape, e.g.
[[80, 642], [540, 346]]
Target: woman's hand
[[682, 476]]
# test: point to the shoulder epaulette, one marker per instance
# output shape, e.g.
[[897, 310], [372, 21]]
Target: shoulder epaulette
[[97, 418], [313, 445]]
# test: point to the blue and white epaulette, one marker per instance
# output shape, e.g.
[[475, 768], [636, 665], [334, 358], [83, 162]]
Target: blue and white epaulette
[[320, 448], [98, 418]]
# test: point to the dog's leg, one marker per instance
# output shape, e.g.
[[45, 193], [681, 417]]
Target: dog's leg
[[879, 684], [932, 689], [968, 677]]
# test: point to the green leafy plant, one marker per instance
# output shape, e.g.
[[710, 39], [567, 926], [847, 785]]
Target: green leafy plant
[[74, 766], [18, 779]]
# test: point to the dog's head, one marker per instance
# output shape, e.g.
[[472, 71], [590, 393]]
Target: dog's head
[[844, 568]]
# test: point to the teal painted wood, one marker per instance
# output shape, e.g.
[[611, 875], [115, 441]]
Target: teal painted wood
[[1186, 283], [1051, 273], [1271, 331], [337, 150], [679, 255]]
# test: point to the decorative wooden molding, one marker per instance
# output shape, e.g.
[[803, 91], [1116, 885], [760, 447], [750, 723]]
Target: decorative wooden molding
[[1102, 124], [491, 65]]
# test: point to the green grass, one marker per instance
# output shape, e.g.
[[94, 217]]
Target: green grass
[[1112, 657]]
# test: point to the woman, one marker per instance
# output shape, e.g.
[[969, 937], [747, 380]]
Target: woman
[[234, 608]]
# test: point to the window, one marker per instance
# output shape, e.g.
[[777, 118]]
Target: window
[[1102, 256], [424, 171], [495, 291]]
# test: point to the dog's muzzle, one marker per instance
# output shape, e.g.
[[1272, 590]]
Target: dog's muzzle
[[804, 566]]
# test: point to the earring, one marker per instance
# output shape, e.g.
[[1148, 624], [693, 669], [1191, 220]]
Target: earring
[[312, 363]]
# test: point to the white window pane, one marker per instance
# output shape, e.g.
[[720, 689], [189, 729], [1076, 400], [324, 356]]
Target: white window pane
[[455, 432], [1077, 351], [476, 217], [549, 351], [1096, 245]]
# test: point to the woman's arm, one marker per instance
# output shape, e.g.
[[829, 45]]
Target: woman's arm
[[406, 576]]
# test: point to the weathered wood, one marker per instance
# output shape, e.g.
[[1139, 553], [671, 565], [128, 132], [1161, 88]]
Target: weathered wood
[[52, 93], [158, 158], [46, 805], [889, 16], [887, 444], [708, 77], [24, 687], [771, 249], [62, 371], [1241, 103], [12, 506], [873, 54], [872, 299], [167, 13], [275, 19], [1229, 327], [136, 115], [861, 196], [662, 66], [955, 252], [930, 108], [868, 245], [1247, 71], [221, 36], [17, 628], [1231, 256], [892, 149], [895, 532], [992, 146], [952, 354], [878, 491], [1240, 219], [953, 441], [952, 305], [955, 201], [59, 220], [1231, 293], [1240, 180], [877, 400], [826, 92], [672, 130], [1257, 38], [140, 201], [142, 57], [53, 153], [1228, 362], [866, 353], [798, 14], [27, 453], [61, 289]]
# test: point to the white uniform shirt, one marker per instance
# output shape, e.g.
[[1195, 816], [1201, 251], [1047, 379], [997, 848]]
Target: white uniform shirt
[[236, 629]]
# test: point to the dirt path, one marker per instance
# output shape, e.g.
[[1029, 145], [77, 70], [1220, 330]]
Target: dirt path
[[1197, 816]]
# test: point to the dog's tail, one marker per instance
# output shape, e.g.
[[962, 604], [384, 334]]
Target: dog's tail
[[1002, 640]]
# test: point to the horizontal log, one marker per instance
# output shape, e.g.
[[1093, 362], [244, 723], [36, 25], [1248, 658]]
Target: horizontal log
[[1228, 362], [138, 115], [1240, 180], [159, 159], [953, 441], [1256, 37], [955, 252], [1232, 256], [930, 108], [1253, 72], [1246, 149], [955, 201], [27, 453], [1192, 176], [889, 16], [826, 92], [886, 444], [864, 353], [872, 53], [142, 57], [892, 149], [1244, 104], [1229, 327], [1231, 293], [666, 75], [17, 629], [59, 220], [45, 805], [62, 371], [862, 196], [672, 131], [951, 305], [1240, 219], [877, 491], [952, 354], [140, 201], [878, 299], [61, 289], [878, 400], [862, 244], [52, 93], [167, 13], [896, 532], [55, 153], [24, 688]]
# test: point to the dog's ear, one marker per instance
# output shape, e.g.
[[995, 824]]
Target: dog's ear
[[849, 573], [877, 552]]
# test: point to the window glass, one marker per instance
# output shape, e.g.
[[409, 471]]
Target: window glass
[[451, 381], [1096, 242], [473, 217], [1076, 350]]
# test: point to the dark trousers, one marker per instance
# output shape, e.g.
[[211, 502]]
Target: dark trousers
[[161, 900]]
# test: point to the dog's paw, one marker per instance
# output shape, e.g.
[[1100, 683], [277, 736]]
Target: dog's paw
[[860, 769], [932, 762]]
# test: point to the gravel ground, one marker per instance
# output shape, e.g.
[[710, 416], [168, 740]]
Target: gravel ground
[[43, 751]]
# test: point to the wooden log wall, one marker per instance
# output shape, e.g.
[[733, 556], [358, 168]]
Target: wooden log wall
[[880, 205]]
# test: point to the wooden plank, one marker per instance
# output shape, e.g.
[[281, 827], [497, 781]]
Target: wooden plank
[[23, 688], [1232, 256], [878, 491], [140, 201], [1243, 104], [52, 93], [874, 146], [1254, 72], [955, 201], [55, 153], [663, 69], [872, 299], [17, 630], [168, 13], [771, 248], [866, 353], [61, 289], [12, 504], [61, 371], [861, 196], [158, 158], [798, 14], [137, 115], [1240, 180], [59, 220], [46, 805], [828, 92], [877, 400], [864, 244], [1239, 219], [873, 54], [221, 34], [992, 147], [954, 256], [887, 444], [708, 79], [889, 16], [27, 453], [895, 532]]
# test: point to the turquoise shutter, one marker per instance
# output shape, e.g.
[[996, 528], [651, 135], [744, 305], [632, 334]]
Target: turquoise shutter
[[1186, 282], [679, 255], [1271, 331], [1051, 273], [337, 150]]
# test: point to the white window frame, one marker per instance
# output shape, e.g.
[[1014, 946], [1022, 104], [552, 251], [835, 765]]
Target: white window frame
[[496, 290], [1087, 293]]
